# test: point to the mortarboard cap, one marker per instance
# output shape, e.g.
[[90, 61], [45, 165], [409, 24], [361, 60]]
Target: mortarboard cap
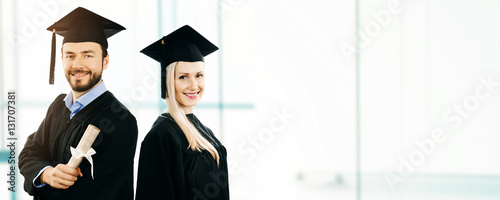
[[82, 25], [184, 44]]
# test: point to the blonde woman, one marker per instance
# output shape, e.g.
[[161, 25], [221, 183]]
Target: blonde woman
[[181, 158]]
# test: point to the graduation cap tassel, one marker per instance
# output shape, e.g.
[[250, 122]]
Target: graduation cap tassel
[[163, 63], [52, 57]]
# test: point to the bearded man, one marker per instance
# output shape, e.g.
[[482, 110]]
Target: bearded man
[[43, 159]]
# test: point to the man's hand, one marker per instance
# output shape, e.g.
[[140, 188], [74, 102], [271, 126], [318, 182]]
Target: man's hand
[[60, 177]]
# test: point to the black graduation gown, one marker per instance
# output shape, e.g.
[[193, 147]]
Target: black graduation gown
[[169, 170], [115, 147]]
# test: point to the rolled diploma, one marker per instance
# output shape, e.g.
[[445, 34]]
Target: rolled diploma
[[84, 145]]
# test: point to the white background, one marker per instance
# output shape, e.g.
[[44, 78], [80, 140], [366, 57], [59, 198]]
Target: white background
[[420, 62]]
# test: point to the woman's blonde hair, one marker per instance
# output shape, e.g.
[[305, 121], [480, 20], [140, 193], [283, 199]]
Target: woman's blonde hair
[[196, 141]]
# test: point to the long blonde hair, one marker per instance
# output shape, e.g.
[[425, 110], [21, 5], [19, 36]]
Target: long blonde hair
[[196, 141]]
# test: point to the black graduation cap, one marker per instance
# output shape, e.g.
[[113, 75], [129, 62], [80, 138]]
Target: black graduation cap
[[184, 44], [82, 25]]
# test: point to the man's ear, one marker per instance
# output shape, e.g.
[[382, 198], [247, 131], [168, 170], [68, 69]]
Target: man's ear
[[105, 62]]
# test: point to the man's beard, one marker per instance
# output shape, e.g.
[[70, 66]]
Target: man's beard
[[78, 86]]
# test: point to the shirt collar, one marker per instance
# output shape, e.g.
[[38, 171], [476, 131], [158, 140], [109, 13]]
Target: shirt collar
[[86, 98]]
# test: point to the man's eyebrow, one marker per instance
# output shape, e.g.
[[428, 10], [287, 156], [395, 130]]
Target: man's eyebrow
[[88, 51], [83, 52]]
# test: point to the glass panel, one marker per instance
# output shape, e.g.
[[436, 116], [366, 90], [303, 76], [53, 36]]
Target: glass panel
[[426, 111]]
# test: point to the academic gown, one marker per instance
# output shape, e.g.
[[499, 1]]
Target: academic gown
[[115, 146], [169, 170]]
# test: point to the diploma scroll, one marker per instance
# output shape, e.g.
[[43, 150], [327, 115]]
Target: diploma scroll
[[84, 147]]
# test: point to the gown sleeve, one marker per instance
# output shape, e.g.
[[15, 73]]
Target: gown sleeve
[[160, 174], [115, 146], [35, 154]]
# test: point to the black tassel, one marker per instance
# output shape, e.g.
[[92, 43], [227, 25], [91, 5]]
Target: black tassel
[[164, 92], [52, 58]]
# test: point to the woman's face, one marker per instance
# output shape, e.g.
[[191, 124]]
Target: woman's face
[[189, 84]]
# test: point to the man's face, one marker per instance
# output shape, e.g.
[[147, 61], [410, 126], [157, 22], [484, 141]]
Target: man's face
[[83, 64]]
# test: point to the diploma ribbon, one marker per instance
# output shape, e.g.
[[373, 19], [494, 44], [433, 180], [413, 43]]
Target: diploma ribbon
[[78, 154]]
